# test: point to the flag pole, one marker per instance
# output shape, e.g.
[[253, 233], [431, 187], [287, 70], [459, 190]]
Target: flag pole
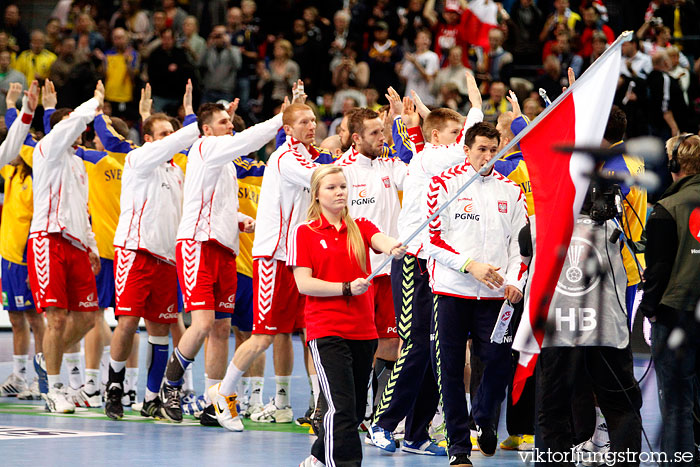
[[624, 37]]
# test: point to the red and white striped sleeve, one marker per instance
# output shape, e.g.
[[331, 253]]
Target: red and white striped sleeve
[[298, 247], [438, 246]]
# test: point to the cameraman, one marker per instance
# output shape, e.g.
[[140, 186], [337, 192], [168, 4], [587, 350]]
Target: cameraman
[[586, 343], [671, 292]]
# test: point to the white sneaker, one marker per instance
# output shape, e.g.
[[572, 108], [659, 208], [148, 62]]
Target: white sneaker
[[56, 400], [82, 399], [590, 454], [225, 408], [31, 393], [12, 386], [272, 414], [252, 410], [311, 461]]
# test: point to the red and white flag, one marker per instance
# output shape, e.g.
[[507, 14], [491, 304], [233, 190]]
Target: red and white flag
[[477, 20], [559, 185]]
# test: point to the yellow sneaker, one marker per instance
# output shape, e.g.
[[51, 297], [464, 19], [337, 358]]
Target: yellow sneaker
[[475, 445], [511, 443], [528, 443]]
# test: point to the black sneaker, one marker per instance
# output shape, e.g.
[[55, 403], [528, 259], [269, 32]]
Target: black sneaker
[[460, 459], [208, 417], [170, 407], [487, 440], [129, 398], [151, 408], [113, 402], [306, 419]]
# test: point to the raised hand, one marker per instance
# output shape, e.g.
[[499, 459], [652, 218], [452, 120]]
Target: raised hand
[[421, 108], [232, 107], [146, 103], [395, 104], [285, 104], [49, 96], [187, 98], [513, 99], [409, 116], [33, 95], [473, 91], [13, 95], [100, 94], [298, 94]]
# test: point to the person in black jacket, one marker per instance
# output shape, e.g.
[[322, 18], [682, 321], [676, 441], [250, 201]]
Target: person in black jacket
[[169, 68], [671, 294]]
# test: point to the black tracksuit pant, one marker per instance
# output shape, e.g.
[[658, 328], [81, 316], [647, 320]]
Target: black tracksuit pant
[[412, 390], [454, 321], [343, 367], [561, 371]]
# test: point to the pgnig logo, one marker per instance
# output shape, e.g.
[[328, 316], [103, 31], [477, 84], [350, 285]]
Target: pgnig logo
[[362, 199]]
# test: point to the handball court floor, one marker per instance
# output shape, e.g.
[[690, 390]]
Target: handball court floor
[[29, 436]]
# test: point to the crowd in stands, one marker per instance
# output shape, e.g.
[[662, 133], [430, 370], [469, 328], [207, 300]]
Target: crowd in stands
[[348, 52]]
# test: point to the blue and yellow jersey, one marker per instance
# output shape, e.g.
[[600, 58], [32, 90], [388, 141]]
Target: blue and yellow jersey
[[119, 69], [513, 166], [634, 207], [250, 174], [104, 172], [18, 206]]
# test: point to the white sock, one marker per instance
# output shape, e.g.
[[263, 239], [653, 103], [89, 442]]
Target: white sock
[[150, 395], [244, 386], [257, 384], [600, 436], [104, 366], [315, 388], [117, 366], [231, 379], [370, 400], [75, 372], [282, 391], [209, 382], [92, 376], [188, 385], [53, 380], [131, 379], [19, 366]]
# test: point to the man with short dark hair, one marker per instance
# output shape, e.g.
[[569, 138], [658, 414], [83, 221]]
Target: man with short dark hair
[[207, 245], [144, 260], [472, 242], [169, 68], [671, 292]]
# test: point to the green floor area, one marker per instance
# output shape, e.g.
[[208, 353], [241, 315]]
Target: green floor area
[[37, 408]]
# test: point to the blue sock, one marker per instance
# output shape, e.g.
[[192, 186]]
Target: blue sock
[[157, 359], [175, 371]]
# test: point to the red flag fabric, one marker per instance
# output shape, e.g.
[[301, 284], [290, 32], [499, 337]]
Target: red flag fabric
[[477, 21], [559, 184]]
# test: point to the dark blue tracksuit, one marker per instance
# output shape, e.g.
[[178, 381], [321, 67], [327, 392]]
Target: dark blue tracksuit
[[454, 321], [412, 390]]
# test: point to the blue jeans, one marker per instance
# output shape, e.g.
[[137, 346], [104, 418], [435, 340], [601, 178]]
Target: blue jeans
[[676, 377]]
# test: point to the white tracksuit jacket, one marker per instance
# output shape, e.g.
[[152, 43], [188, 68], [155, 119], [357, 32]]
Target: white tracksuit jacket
[[431, 161], [210, 207], [373, 186], [61, 182], [482, 224], [151, 199], [284, 198], [16, 134]]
